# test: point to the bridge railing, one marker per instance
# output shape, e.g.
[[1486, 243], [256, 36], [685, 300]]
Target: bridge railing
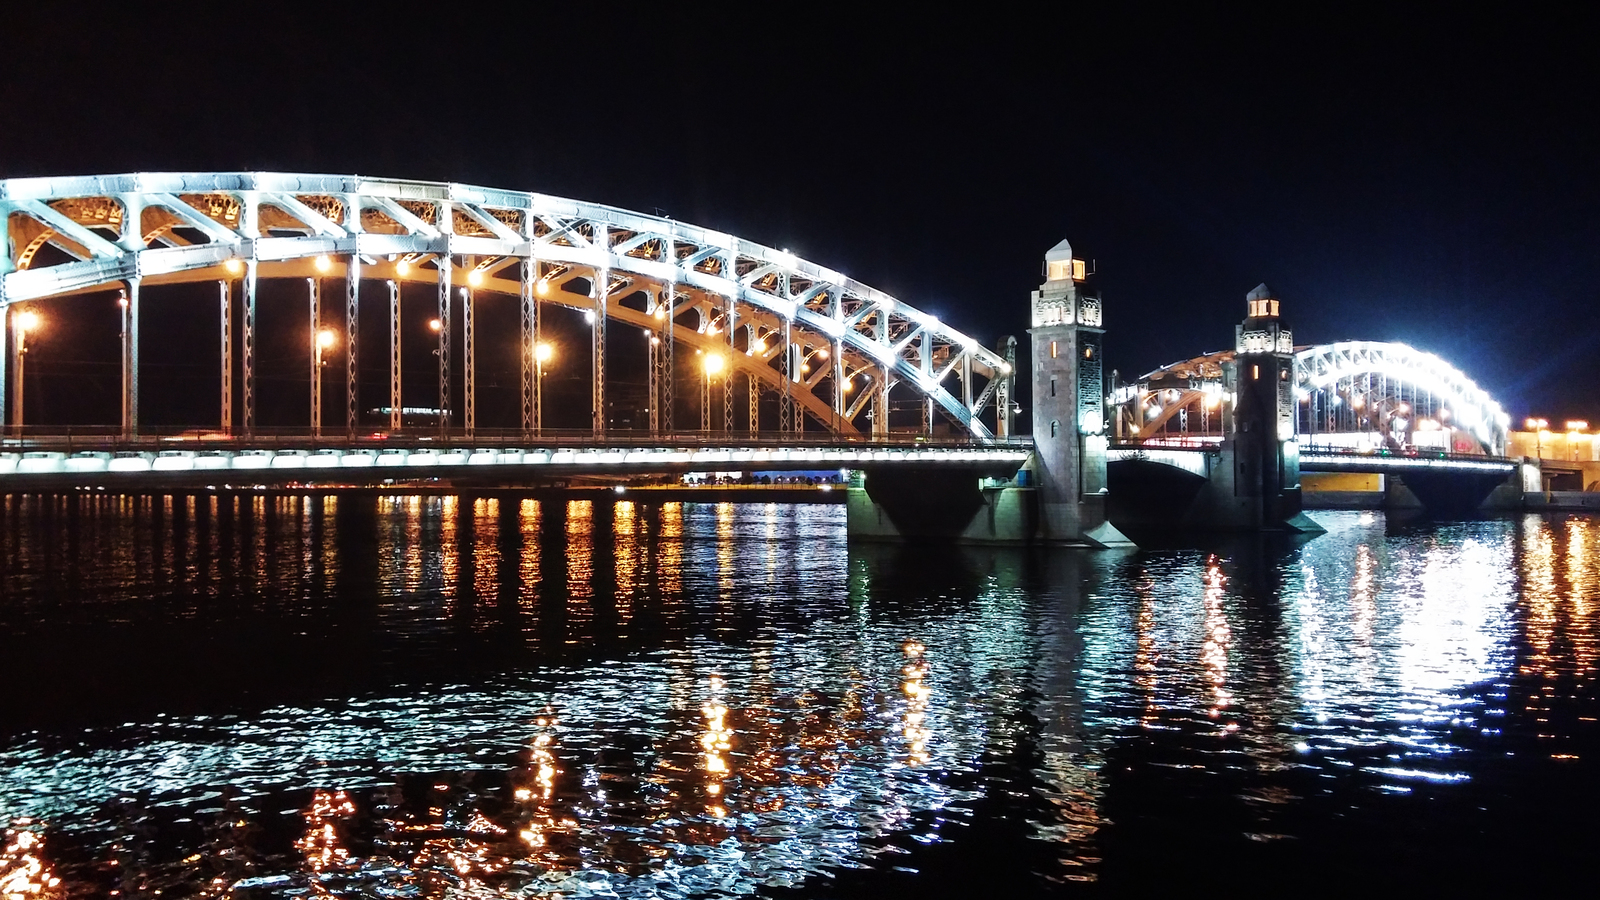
[[102, 439], [1391, 453]]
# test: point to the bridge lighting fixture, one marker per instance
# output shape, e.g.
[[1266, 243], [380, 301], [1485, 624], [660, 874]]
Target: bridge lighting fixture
[[822, 353], [325, 338], [402, 268], [588, 316], [435, 324], [543, 287], [475, 277], [1537, 424], [324, 263], [714, 363], [233, 266], [25, 321]]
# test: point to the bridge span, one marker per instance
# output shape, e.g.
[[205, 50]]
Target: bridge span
[[86, 461], [782, 364]]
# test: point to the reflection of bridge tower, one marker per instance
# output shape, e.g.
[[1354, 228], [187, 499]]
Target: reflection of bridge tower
[[1259, 437], [1069, 404]]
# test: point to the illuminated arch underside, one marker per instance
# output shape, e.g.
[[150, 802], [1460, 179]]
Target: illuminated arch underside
[[186, 227], [1320, 367]]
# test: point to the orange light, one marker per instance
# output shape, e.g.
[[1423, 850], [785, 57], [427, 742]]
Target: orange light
[[435, 325]]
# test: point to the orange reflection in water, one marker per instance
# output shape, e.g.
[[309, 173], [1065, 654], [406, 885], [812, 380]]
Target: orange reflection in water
[[915, 687], [22, 873], [1214, 653], [715, 742], [320, 843]]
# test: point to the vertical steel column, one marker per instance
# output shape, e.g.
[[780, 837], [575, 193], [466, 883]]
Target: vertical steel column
[[791, 370], [469, 374], [705, 399], [880, 399], [130, 361], [730, 318], [752, 384], [669, 394], [530, 343], [5, 335], [600, 290], [838, 386], [8, 325], [314, 292], [225, 298], [249, 346], [445, 265], [653, 366], [395, 419], [352, 320]]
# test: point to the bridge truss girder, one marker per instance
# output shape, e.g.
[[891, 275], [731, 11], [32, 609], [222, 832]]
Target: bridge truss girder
[[154, 229], [1387, 382]]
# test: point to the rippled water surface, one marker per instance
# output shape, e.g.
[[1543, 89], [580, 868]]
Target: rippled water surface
[[453, 697]]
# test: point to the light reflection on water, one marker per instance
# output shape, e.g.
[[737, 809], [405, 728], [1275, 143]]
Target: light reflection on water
[[506, 696]]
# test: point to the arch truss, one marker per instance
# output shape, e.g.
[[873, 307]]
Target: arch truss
[[1352, 394], [828, 347]]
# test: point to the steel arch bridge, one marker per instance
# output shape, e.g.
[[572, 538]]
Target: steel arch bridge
[[830, 347], [1352, 395]]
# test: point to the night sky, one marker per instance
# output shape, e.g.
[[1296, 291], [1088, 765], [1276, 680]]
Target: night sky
[[1426, 179]]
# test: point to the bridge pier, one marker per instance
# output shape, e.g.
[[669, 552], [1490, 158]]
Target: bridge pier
[[1251, 482], [1063, 499]]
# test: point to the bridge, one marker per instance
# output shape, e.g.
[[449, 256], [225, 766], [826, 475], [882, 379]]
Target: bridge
[[753, 357], [1352, 407]]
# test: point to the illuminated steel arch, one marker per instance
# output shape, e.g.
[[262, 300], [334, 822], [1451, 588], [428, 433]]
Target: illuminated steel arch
[[1351, 394], [831, 347]]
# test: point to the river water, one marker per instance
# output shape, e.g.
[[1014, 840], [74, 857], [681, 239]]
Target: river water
[[283, 696]]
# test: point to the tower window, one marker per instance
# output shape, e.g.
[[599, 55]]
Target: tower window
[[1052, 349], [1052, 385], [1255, 372], [1079, 270], [1055, 427]]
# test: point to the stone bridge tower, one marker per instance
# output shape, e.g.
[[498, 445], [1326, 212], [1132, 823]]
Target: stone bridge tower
[[1259, 438], [1069, 427]]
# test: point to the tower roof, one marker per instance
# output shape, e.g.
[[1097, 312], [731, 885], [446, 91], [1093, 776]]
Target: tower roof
[[1059, 253], [1262, 292]]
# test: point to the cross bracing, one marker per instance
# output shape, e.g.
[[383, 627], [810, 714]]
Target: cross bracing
[[1390, 392], [831, 348]]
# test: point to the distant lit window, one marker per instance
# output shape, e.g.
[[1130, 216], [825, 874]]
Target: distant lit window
[[1052, 349], [1079, 270], [1255, 372], [1088, 352], [1060, 270]]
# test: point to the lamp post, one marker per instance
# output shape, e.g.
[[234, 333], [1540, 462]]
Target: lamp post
[[1575, 430], [542, 353], [712, 363], [1537, 426], [22, 322], [322, 339]]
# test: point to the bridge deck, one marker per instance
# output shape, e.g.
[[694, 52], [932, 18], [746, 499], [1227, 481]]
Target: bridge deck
[[98, 459]]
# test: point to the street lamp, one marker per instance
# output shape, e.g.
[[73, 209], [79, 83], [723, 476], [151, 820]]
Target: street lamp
[[713, 364], [322, 339], [22, 322], [542, 354], [1537, 426]]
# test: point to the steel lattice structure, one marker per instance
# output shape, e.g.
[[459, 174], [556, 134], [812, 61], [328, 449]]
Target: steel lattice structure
[[1389, 390], [788, 326]]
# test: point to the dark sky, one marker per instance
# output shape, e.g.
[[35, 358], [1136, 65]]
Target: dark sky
[[1429, 179]]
